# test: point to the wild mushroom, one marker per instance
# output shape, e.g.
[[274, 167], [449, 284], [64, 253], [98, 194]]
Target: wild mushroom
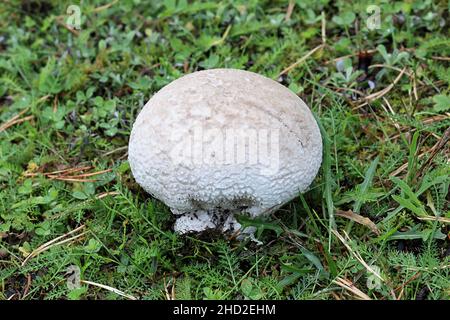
[[221, 142]]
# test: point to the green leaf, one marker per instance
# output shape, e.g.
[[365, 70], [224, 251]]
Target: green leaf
[[27, 187], [420, 211], [249, 290], [48, 82], [412, 158], [441, 103], [77, 293], [288, 280], [93, 246], [326, 168], [211, 62], [414, 233], [98, 101], [312, 258], [364, 186], [259, 223], [246, 287], [44, 229], [345, 19], [406, 190], [77, 194]]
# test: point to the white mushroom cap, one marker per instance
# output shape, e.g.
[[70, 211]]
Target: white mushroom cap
[[219, 142]]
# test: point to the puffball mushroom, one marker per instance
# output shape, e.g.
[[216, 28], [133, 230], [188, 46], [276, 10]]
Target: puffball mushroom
[[221, 142]]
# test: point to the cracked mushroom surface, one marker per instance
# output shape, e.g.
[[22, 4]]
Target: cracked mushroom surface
[[221, 142]]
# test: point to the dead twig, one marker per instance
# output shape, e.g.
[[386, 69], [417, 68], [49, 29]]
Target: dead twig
[[11, 296], [409, 74]]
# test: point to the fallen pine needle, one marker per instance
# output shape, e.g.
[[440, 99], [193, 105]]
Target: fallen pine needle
[[63, 175], [301, 60], [104, 7], [106, 194], [27, 287], [115, 150], [402, 286], [90, 174], [63, 171], [71, 179], [15, 120], [17, 116]]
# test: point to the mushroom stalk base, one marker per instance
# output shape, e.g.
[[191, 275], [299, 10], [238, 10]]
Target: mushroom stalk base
[[202, 220]]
